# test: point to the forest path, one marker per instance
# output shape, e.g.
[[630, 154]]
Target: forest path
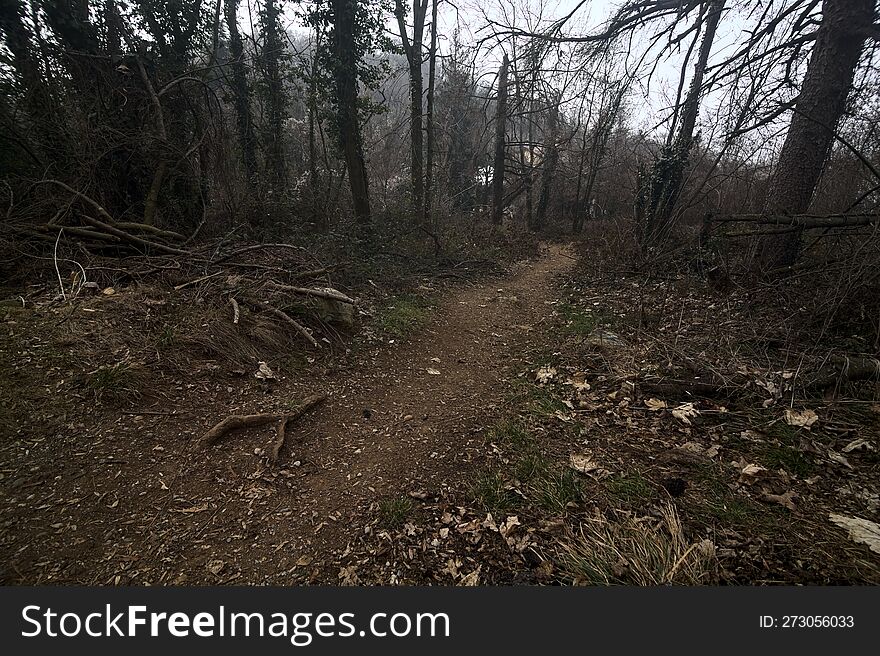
[[389, 429], [412, 422]]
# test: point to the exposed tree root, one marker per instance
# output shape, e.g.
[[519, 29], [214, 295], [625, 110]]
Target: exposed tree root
[[236, 422]]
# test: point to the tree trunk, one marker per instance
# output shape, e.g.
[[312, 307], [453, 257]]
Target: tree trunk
[[319, 213], [240, 92], [500, 146], [820, 105], [551, 158], [272, 51], [346, 97], [429, 117], [412, 48], [667, 174]]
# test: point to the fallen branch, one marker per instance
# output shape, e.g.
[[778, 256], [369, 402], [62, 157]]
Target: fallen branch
[[106, 227], [255, 247], [300, 410], [327, 293], [844, 369], [806, 221], [284, 317], [236, 422], [158, 232]]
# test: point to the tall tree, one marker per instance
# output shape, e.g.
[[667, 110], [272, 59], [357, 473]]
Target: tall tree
[[272, 53], [667, 175], [498, 163], [840, 40], [551, 159], [412, 48], [343, 46], [241, 92], [429, 116]]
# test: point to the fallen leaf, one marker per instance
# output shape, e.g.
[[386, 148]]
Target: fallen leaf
[[582, 463], [685, 412], [264, 372], [508, 525], [751, 472], [860, 530], [786, 499], [858, 445], [433, 372], [655, 404], [216, 566], [802, 418], [472, 579], [545, 374]]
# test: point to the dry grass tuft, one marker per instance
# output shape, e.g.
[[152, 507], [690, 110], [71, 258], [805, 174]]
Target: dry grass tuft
[[636, 551]]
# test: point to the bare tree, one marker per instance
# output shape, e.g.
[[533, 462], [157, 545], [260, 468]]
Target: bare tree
[[241, 92], [551, 159], [498, 163], [412, 48], [345, 74]]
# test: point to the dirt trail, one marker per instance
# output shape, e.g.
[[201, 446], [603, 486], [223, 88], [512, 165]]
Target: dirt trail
[[420, 429], [131, 498]]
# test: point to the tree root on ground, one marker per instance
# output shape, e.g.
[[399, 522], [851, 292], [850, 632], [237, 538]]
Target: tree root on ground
[[235, 422]]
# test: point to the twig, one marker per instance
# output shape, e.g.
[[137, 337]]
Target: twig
[[196, 281], [255, 247], [57, 270], [234, 422]]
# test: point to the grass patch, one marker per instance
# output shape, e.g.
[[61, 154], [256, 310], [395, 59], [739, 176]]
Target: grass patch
[[404, 315], [393, 513], [531, 466], [632, 489], [788, 458], [725, 506], [166, 337], [543, 402], [116, 383], [636, 551], [582, 321], [512, 433], [492, 492], [556, 491]]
